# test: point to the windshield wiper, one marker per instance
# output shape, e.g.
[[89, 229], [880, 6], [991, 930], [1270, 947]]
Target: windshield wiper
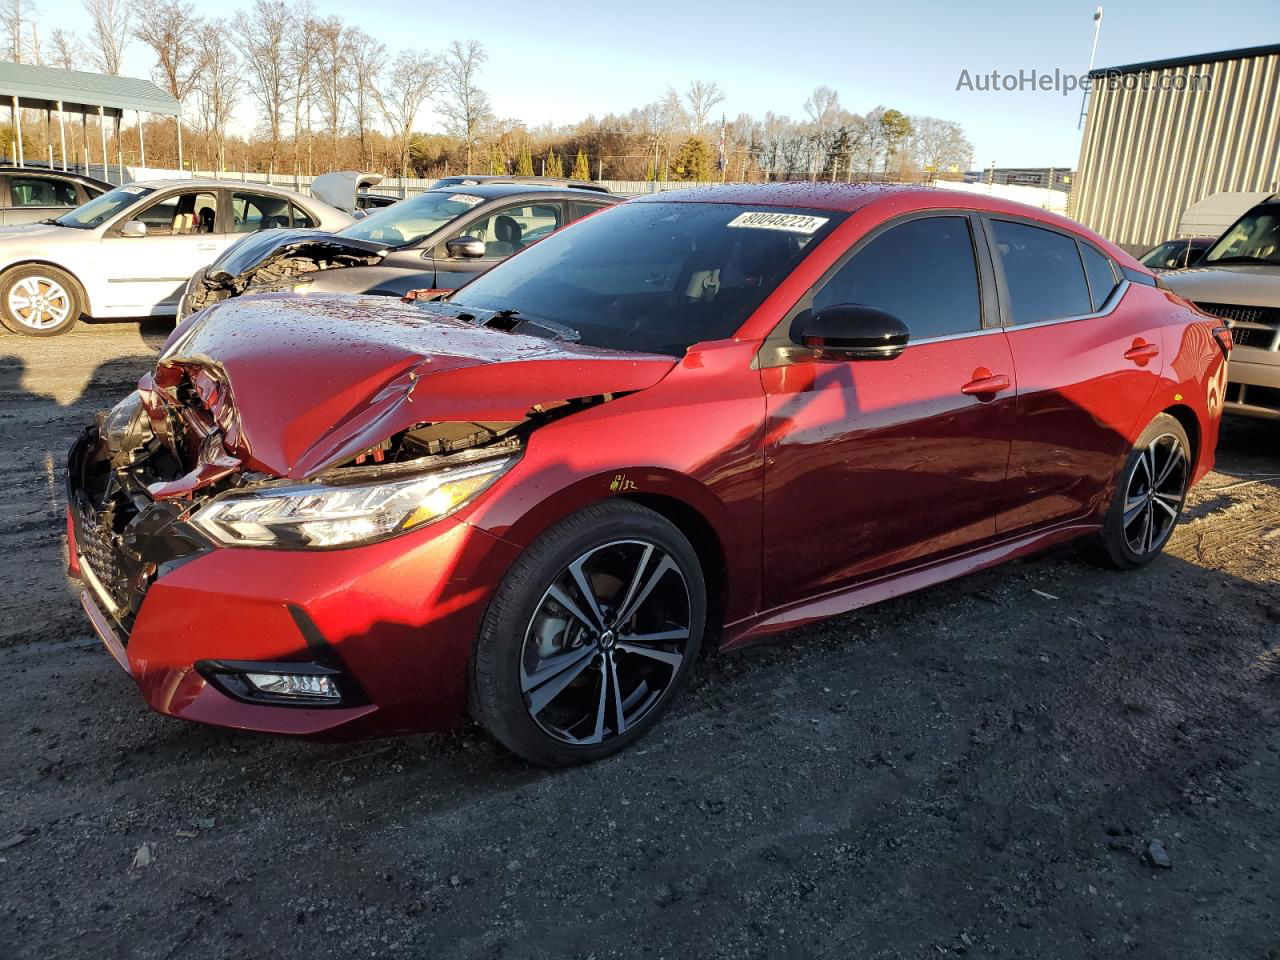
[[1243, 259], [53, 220]]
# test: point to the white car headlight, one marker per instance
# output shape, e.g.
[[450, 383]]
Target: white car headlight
[[323, 515]]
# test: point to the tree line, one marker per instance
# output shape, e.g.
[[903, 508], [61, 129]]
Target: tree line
[[327, 95]]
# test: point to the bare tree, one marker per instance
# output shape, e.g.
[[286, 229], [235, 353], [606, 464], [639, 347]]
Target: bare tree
[[467, 109], [414, 78], [218, 85], [65, 50], [173, 32], [16, 15], [702, 97], [268, 65], [332, 75], [937, 144], [366, 56], [108, 34], [304, 52]]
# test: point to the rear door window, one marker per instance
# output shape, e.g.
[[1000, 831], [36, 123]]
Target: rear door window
[[1042, 271], [252, 212], [922, 271]]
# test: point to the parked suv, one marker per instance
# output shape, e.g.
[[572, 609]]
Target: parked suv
[[1239, 280]]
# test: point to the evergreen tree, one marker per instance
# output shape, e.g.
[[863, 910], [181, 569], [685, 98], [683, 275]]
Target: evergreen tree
[[648, 170], [581, 169], [555, 166], [497, 166], [692, 161], [524, 165]]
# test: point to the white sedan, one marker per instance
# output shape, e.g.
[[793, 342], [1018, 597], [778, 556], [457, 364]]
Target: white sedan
[[129, 252]]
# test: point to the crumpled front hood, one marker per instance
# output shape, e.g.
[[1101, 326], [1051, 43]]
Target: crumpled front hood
[[1255, 285], [297, 384], [258, 249]]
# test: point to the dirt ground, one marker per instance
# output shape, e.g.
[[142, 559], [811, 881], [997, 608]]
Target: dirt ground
[[980, 769]]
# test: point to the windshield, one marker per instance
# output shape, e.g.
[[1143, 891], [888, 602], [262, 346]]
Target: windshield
[[1254, 238], [410, 220], [101, 209], [653, 277], [1165, 256]]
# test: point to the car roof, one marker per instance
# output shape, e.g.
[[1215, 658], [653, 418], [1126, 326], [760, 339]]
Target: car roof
[[216, 184], [477, 179], [493, 190], [55, 172]]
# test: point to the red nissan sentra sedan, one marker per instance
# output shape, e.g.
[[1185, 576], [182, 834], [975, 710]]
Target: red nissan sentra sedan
[[696, 418]]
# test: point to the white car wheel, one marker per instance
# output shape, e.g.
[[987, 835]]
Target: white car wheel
[[39, 301]]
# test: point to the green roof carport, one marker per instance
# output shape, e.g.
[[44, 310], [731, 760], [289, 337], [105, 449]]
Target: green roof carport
[[30, 87]]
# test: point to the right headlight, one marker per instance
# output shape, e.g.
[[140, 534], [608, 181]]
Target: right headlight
[[324, 515]]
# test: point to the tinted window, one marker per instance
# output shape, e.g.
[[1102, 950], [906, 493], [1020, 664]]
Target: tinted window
[[581, 209], [921, 271], [1043, 272], [256, 211], [511, 229], [653, 276], [39, 192], [1102, 278]]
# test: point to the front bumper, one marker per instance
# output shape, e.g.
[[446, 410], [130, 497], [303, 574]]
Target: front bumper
[[1253, 387], [395, 619]]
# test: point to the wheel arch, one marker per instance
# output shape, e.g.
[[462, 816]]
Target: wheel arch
[[706, 544], [1190, 423]]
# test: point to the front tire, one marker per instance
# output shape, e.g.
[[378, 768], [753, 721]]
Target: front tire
[[590, 635], [39, 301], [1149, 496]]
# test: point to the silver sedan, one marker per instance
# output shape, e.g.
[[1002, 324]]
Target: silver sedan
[[129, 252]]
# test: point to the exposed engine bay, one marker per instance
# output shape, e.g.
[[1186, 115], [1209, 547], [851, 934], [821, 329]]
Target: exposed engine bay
[[306, 258]]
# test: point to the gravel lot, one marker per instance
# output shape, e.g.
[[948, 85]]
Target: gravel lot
[[981, 769]]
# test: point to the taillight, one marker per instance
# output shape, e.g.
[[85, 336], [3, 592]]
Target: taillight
[[1223, 336]]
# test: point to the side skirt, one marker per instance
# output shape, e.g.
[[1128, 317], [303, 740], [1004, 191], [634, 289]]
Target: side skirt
[[827, 605]]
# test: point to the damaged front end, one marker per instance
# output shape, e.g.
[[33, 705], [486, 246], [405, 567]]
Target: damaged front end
[[268, 261]]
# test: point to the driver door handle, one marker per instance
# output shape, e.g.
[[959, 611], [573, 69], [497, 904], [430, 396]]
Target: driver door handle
[[986, 383]]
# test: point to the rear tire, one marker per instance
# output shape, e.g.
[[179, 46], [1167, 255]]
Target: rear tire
[[1149, 495], [39, 301], [561, 676]]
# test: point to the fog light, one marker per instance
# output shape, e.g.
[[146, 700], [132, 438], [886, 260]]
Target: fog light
[[294, 685]]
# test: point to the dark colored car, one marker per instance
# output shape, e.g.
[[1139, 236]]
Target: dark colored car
[[31, 194], [1176, 254], [374, 201], [696, 418], [466, 181], [437, 241]]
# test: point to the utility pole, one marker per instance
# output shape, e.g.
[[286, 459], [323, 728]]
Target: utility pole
[[1093, 52]]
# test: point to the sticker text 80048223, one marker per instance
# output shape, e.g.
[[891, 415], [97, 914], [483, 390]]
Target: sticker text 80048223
[[790, 222]]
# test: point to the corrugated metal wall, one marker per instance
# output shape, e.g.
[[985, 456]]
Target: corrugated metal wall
[[1147, 155]]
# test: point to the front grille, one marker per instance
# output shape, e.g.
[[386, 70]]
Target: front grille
[[1262, 336], [100, 553]]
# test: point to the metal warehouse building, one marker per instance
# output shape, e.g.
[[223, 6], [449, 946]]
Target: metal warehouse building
[[1162, 135]]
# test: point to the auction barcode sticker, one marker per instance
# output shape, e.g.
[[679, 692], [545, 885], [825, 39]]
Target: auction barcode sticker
[[466, 198], [790, 222]]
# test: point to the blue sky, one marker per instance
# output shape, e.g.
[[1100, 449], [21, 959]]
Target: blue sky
[[558, 63]]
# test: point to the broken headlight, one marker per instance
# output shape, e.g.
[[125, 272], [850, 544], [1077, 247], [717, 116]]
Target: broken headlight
[[321, 515]]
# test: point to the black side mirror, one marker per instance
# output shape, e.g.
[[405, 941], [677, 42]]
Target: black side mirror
[[468, 247], [850, 331]]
